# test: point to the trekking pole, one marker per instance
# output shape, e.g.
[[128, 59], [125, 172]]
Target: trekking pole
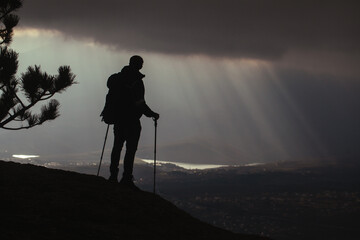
[[155, 124], [102, 153]]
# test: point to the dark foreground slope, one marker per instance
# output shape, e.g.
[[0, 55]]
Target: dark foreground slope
[[41, 203]]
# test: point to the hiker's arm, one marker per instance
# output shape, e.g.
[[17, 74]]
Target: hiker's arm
[[141, 104], [145, 109]]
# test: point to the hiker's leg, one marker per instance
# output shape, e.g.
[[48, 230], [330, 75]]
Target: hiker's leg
[[132, 140], [119, 138]]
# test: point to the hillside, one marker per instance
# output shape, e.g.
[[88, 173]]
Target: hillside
[[41, 203]]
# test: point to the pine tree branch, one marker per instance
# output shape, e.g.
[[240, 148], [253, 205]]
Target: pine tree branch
[[48, 96], [17, 98], [6, 13], [15, 119], [16, 114], [11, 9], [25, 108], [37, 87], [2, 31], [2, 42], [13, 92], [19, 128]]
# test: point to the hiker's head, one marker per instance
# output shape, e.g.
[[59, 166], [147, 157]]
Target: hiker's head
[[136, 62]]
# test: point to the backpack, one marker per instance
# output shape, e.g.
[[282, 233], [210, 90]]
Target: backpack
[[108, 114], [118, 101]]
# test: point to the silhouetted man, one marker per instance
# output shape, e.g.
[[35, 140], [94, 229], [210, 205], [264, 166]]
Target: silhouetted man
[[130, 91]]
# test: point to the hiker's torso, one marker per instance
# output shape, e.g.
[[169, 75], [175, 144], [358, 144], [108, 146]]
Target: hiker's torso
[[127, 89]]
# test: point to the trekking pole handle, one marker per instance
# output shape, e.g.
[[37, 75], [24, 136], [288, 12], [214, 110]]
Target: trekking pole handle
[[155, 121]]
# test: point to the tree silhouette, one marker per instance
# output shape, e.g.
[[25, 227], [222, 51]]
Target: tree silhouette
[[19, 95]]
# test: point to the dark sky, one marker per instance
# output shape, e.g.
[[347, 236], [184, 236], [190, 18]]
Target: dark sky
[[262, 29], [300, 79]]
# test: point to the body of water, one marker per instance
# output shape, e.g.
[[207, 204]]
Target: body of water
[[189, 166]]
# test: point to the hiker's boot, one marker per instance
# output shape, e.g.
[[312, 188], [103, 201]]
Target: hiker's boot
[[113, 178], [113, 175], [127, 182]]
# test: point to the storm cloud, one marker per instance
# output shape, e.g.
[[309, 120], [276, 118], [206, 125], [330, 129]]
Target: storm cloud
[[260, 29], [271, 79]]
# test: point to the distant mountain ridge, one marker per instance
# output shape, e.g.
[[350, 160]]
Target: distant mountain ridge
[[41, 203]]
